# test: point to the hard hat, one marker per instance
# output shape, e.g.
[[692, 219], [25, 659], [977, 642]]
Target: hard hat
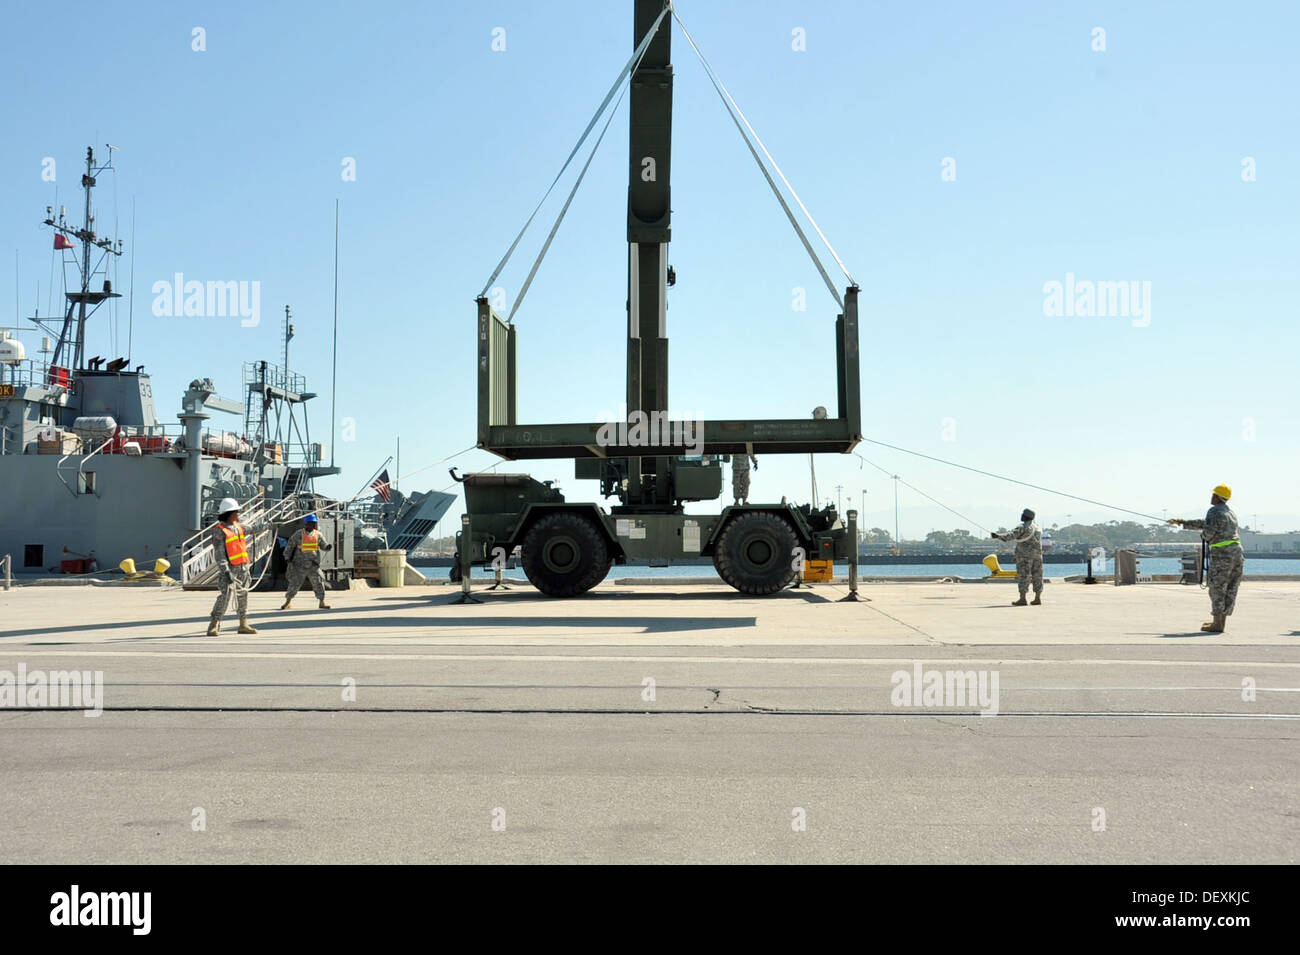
[[310, 519], [227, 504], [1223, 491]]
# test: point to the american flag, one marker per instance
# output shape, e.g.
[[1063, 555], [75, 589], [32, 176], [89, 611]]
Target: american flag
[[380, 484]]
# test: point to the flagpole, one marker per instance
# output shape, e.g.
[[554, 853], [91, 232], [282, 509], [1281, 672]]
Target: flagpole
[[372, 477], [334, 376]]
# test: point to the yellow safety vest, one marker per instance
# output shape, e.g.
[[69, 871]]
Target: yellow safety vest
[[310, 542]]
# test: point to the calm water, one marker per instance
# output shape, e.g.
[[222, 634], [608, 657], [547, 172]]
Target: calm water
[[1146, 565]]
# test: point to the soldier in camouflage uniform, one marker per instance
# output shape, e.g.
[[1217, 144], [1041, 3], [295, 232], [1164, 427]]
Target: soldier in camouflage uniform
[[302, 554], [1227, 559], [231, 546], [740, 475], [1029, 557]]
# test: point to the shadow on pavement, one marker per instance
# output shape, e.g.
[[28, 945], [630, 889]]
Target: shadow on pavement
[[532, 596], [649, 625]]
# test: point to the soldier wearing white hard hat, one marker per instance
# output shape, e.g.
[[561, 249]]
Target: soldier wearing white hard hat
[[231, 545]]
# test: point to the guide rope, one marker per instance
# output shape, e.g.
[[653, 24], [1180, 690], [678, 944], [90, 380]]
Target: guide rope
[[923, 494], [630, 67], [1002, 477], [519, 299], [403, 477], [737, 117]]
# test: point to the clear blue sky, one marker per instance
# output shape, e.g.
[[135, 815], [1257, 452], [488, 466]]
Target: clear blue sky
[[1117, 165]]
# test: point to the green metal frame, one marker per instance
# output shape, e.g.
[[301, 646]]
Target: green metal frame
[[500, 432]]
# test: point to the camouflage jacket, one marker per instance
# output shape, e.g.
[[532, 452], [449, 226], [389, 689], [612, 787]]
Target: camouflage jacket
[[1220, 524], [293, 549], [1028, 540], [219, 540]]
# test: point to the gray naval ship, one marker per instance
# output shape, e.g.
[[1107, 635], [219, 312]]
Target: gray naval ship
[[91, 476]]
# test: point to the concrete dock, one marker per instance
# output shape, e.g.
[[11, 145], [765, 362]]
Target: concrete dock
[[665, 723]]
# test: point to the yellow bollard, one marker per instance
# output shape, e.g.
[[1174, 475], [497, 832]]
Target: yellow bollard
[[127, 566], [161, 565], [995, 568]]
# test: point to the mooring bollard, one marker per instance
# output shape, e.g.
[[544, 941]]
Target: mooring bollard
[[853, 560]]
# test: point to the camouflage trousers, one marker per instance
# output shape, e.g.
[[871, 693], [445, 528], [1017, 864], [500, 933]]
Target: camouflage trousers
[[1226, 566], [237, 581], [1029, 570], [740, 483], [304, 570]]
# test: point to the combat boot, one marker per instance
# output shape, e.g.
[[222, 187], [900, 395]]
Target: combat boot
[[287, 603], [244, 627], [323, 604], [214, 626], [1022, 602], [1218, 624], [1037, 601]]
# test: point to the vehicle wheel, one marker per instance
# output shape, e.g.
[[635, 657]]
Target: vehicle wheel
[[454, 573], [565, 555], [756, 553]]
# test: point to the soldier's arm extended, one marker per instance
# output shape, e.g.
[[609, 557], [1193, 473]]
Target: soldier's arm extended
[[1214, 527], [1019, 533], [1194, 525]]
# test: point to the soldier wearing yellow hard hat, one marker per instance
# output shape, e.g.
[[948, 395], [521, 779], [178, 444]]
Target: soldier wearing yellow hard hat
[[1227, 559]]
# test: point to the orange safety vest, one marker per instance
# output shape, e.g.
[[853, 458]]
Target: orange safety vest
[[236, 549], [310, 542]]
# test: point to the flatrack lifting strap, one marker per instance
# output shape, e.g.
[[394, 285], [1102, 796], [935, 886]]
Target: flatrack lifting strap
[[633, 62], [523, 290], [734, 111]]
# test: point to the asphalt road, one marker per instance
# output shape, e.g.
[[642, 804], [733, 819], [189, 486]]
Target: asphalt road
[[354, 742]]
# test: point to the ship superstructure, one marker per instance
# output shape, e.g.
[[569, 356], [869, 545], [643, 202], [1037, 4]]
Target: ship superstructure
[[90, 473]]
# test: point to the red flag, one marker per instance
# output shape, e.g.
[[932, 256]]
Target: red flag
[[380, 484], [61, 241]]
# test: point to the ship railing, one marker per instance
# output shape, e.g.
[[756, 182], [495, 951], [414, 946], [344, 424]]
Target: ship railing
[[150, 439], [223, 444], [264, 374], [83, 487], [30, 373], [290, 454], [200, 561]]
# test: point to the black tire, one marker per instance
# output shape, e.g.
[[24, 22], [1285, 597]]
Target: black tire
[[756, 553], [565, 554], [453, 574]]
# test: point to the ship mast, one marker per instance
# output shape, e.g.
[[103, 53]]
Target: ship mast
[[72, 338]]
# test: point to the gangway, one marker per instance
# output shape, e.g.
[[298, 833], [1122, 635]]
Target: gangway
[[200, 566]]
